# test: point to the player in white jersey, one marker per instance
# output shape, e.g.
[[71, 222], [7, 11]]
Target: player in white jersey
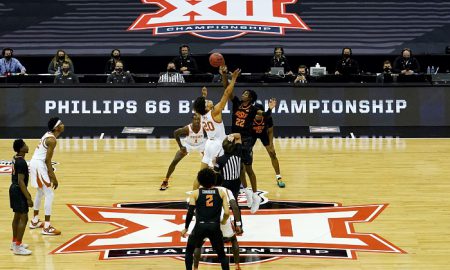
[[213, 125], [43, 178], [194, 141]]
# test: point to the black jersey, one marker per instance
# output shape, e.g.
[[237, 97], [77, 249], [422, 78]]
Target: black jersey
[[242, 117], [260, 127], [19, 166], [208, 205]]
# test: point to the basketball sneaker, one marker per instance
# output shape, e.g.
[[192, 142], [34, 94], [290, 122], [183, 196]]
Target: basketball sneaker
[[256, 203], [13, 245], [20, 250], [280, 182], [50, 231], [249, 196], [164, 185], [35, 225]]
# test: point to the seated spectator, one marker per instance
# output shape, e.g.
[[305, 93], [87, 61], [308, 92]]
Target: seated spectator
[[9, 64], [55, 65], [111, 64], [347, 65], [171, 76], [406, 64], [386, 75], [280, 60], [185, 61], [118, 76], [66, 76], [302, 76]]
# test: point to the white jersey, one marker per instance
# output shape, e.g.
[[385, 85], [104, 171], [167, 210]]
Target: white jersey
[[41, 151], [214, 130], [195, 139]]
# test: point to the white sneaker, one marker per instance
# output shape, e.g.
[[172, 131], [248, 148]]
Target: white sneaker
[[38, 224], [20, 250], [13, 244], [256, 203], [249, 195]]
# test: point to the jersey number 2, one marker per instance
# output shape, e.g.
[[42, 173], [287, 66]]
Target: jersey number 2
[[209, 201]]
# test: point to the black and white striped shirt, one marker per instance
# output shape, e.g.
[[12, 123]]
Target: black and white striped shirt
[[171, 77], [230, 165]]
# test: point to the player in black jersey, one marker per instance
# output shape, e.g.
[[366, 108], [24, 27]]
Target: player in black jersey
[[19, 197], [262, 129], [244, 113], [207, 202]]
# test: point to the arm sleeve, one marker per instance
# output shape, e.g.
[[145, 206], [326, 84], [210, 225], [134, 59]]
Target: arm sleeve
[[189, 216]]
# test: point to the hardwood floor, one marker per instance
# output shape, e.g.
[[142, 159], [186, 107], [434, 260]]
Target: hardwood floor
[[411, 175]]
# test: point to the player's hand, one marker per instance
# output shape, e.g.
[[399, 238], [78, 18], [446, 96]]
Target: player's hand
[[230, 138], [54, 183], [30, 202], [236, 73], [272, 103], [239, 230], [223, 70], [184, 233], [204, 91], [183, 150]]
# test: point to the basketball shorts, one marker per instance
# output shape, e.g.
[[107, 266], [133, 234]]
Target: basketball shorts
[[190, 148], [213, 149], [247, 150], [17, 200], [263, 137], [39, 174]]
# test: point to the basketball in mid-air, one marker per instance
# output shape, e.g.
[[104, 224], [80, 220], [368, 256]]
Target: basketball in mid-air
[[216, 60]]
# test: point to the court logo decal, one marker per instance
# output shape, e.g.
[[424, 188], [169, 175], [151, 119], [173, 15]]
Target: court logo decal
[[6, 166], [219, 19], [291, 229]]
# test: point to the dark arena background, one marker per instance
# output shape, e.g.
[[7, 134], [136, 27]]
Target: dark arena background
[[362, 147]]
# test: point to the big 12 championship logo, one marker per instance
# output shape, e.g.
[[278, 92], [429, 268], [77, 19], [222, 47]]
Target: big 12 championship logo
[[279, 229], [219, 19]]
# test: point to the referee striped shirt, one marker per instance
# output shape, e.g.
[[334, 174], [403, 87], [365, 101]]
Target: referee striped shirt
[[171, 77], [232, 169], [230, 165]]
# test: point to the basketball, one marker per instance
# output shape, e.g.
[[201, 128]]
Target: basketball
[[216, 60]]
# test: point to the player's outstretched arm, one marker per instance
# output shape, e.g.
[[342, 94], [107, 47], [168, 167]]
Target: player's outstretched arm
[[178, 133], [228, 91]]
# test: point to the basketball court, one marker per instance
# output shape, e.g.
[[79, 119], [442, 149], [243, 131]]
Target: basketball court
[[386, 200]]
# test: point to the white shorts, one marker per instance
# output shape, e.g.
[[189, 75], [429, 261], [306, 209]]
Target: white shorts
[[227, 229], [213, 149], [39, 174], [193, 148]]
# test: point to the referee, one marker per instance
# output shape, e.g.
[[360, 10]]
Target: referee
[[229, 164]]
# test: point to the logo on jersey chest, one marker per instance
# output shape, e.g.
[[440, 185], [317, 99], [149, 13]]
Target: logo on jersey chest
[[291, 229], [219, 19]]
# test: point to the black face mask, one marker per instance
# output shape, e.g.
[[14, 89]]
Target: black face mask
[[346, 56], [65, 70], [387, 69], [117, 57], [61, 57], [8, 57], [119, 70], [171, 70]]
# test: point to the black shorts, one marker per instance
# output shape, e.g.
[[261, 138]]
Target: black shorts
[[247, 150], [205, 230], [17, 200], [263, 137], [234, 186]]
